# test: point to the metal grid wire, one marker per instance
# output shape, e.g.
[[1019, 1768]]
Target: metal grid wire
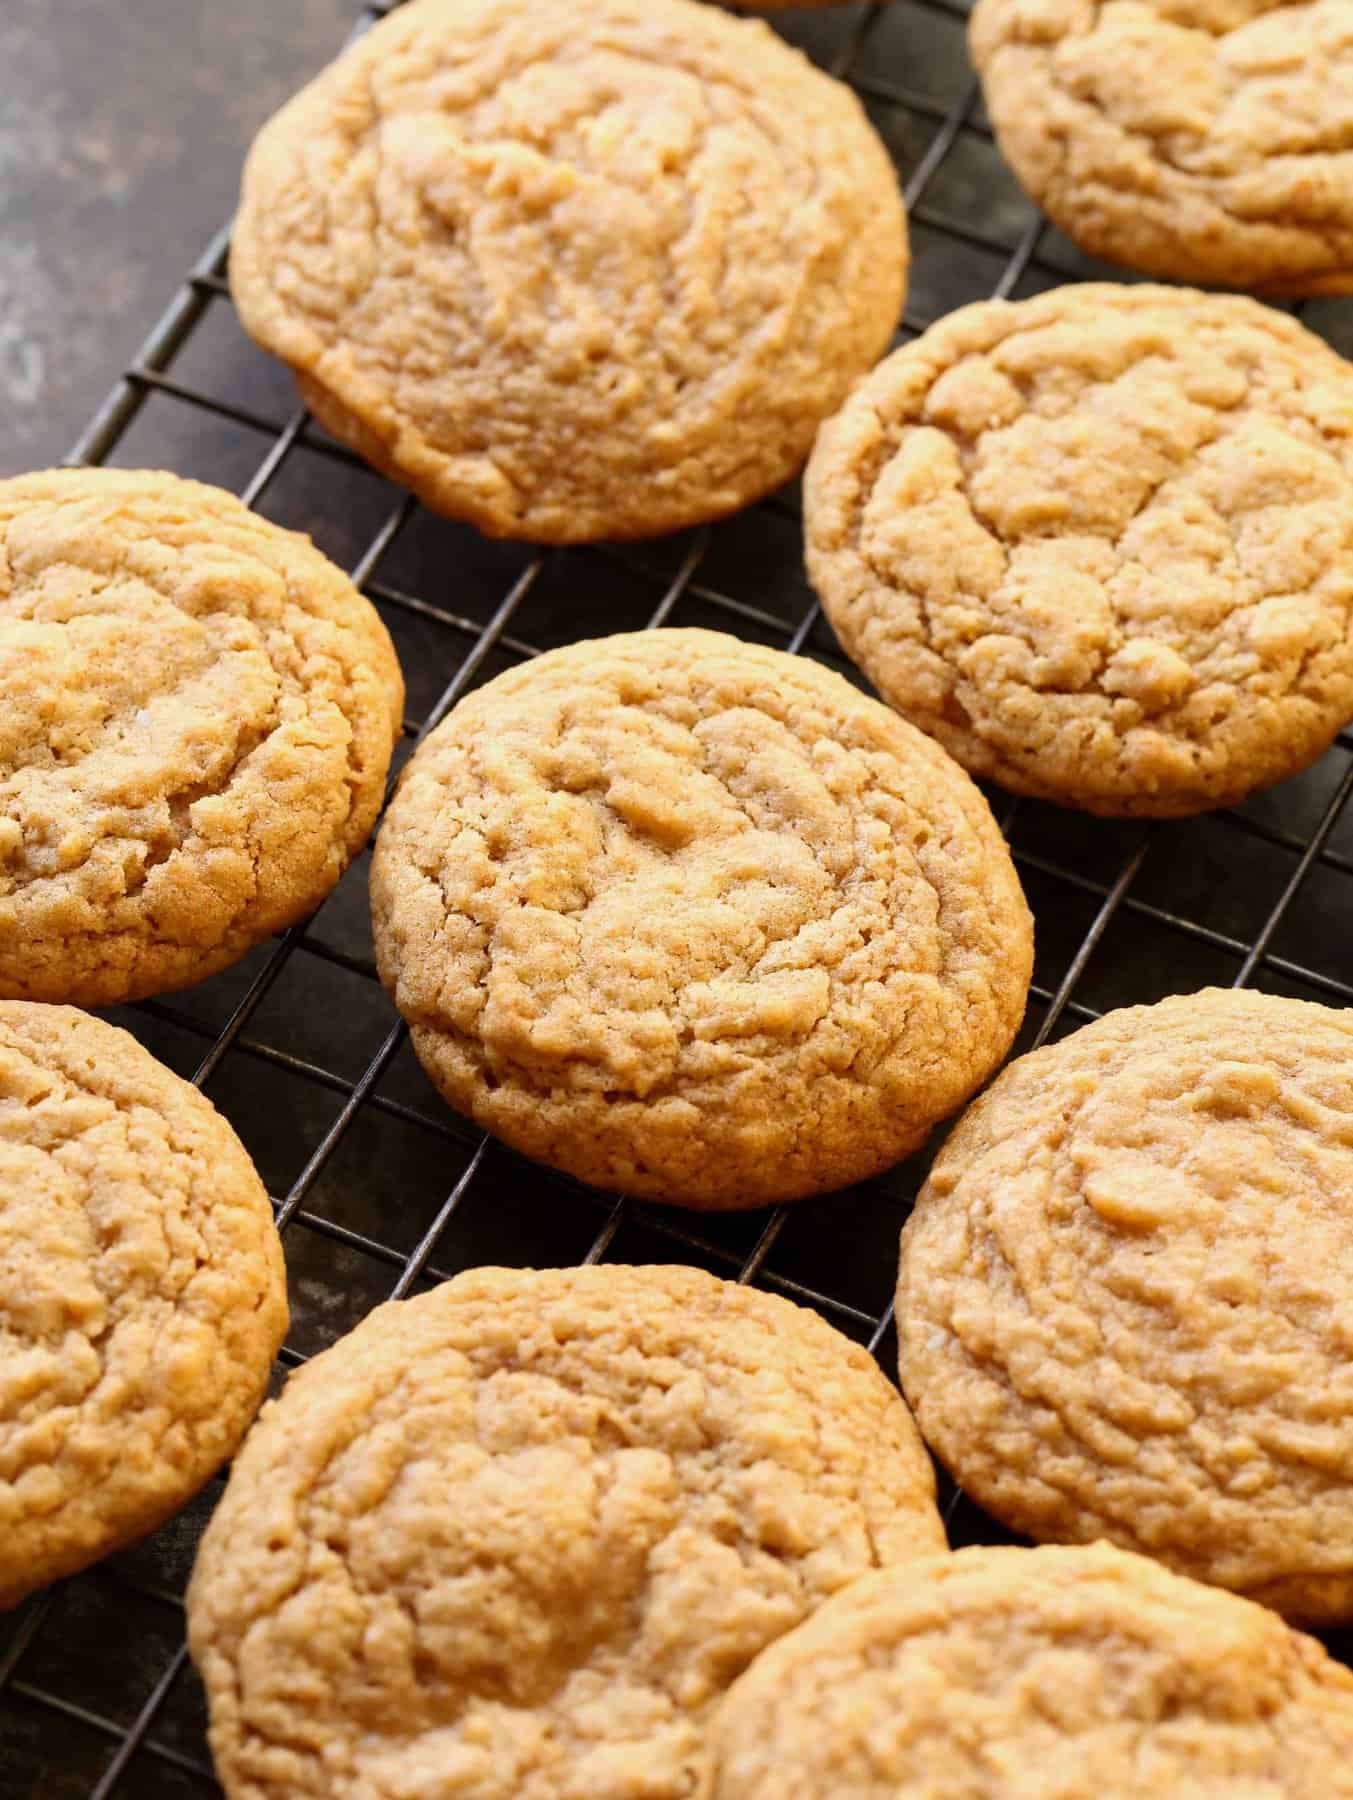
[[379, 1190]]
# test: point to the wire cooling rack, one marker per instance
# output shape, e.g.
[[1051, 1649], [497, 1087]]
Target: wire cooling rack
[[380, 1191]]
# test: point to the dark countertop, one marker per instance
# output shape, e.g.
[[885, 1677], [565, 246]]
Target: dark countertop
[[122, 127]]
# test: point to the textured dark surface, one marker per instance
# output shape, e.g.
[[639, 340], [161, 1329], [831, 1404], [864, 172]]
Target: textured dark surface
[[121, 132], [380, 1189]]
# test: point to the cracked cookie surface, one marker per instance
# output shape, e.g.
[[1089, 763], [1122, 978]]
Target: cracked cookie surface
[[1098, 543], [654, 1472], [197, 712], [572, 273], [142, 1292], [1196, 140], [1123, 1304], [1052, 1674], [696, 919]]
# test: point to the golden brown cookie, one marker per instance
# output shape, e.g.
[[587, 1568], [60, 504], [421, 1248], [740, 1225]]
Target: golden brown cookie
[[1196, 140], [572, 272], [1125, 1306], [697, 920], [1096, 543], [514, 1538], [142, 1292], [197, 712], [1052, 1674]]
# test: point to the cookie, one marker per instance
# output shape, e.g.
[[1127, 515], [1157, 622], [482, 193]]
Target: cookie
[[142, 1292], [1096, 543], [1124, 1308], [1052, 1674], [694, 919], [197, 712], [515, 1537], [572, 272], [1195, 140]]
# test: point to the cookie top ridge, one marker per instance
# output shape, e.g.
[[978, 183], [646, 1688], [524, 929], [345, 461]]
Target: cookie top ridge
[[997, 1673], [1096, 543], [519, 1534], [142, 1292], [572, 273], [197, 714], [1123, 1306], [696, 919], [1195, 140]]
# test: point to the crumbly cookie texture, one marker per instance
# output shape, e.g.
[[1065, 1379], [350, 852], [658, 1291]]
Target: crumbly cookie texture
[[572, 272], [515, 1537], [142, 1292], [197, 712], [1052, 1674], [1096, 543], [696, 919], [1124, 1308], [1196, 140]]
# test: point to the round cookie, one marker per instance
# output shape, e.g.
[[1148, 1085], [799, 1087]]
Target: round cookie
[[1054, 1674], [1096, 543], [197, 713], [572, 272], [515, 1537], [1195, 140], [142, 1292], [697, 920], [1125, 1305]]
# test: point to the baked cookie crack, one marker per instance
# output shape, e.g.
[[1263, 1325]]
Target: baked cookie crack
[[197, 711], [664, 878], [567, 277], [1095, 542]]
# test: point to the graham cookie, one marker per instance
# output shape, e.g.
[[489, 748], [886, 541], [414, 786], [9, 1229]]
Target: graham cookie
[[142, 1292], [197, 712], [697, 920], [515, 1537], [1125, 1306], [1053, 1674], [1096, 543], [1196, 140], [572, 272]]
